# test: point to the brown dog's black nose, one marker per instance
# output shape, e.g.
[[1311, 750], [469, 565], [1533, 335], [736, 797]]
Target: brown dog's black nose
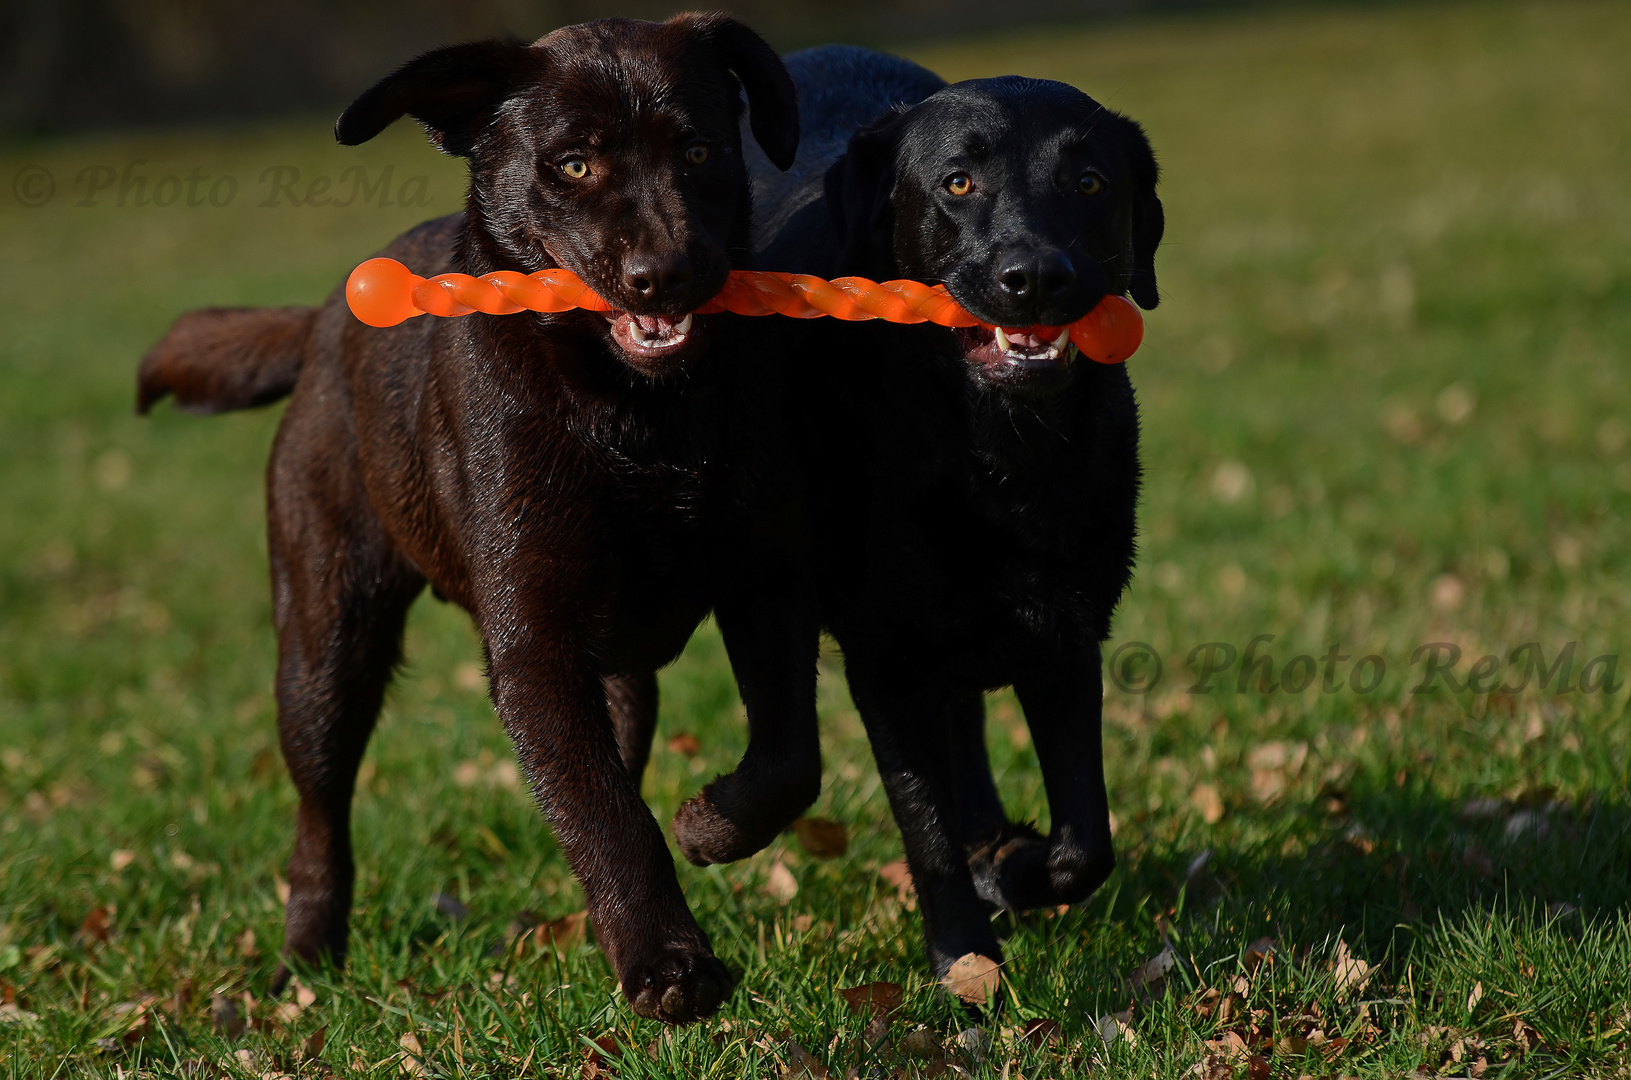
[[1035, 277], [657, 275]]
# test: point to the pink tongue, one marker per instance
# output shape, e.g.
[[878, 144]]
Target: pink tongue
[[655, 325], [1026, 340]]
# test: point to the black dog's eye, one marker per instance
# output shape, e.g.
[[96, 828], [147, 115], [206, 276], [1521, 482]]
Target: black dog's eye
[[576, 168], [696, 154], [959, 183], [1091, 183]]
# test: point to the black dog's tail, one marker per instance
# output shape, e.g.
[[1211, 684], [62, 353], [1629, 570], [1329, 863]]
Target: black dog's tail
[[220, 359]]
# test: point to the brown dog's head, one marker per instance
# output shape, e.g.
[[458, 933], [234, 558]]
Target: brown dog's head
[[610, 149], [1028, 199]]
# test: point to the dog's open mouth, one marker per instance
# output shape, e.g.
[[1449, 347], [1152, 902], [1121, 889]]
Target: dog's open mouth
[[650, 337], [1033, 348]]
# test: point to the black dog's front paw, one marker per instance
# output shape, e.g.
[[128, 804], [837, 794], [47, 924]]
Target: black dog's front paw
[[1020, 869], [677, 986]]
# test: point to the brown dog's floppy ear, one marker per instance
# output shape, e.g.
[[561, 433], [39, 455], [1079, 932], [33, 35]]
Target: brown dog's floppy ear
[[773, 104], [1149, 219], [858, 189], [453, 92]]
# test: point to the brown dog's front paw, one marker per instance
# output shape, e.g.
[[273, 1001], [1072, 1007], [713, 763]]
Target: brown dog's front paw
[[677, 986], [707, 835]]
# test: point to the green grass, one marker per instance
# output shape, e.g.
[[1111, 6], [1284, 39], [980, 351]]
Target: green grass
[[1386, 402]]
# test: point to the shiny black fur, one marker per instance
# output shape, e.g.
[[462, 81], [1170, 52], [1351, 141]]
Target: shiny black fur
[[975, 516]]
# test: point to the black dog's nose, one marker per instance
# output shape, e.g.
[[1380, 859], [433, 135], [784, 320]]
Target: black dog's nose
[[656, 275], [1034, 276]]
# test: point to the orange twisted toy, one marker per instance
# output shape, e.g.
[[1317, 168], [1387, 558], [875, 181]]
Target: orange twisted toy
[[383, 292]]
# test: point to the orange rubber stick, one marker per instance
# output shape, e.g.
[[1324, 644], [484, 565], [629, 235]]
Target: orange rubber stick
[[383, 292]]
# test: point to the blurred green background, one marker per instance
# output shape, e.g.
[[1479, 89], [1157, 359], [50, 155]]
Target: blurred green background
[[1386, 401]]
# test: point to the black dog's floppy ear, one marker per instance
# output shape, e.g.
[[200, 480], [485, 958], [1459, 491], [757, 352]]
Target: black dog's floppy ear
[[773, 104], [453, 92], [858, 189], [1149, 220]]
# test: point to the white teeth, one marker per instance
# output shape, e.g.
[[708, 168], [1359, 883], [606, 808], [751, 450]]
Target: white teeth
[[1064, 336], [637, 333], [1002, 340], [682, 327]]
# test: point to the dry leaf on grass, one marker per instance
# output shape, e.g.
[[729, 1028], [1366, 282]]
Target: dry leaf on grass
[[1041, 1032], [780, 885], [1207, 802], [802, 1065], [121, 859], [876, 998], [563, 933], [1257, 953], [598, 1058], [1475, 997], [411, 1053], [973, 978], [822, 838], [1352, 974], [1150, 973], [897, 876], [95, 927], [683, 742]]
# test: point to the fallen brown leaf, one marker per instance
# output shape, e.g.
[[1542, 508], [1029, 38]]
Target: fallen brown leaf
[[1041, 1032], [781, 885], [1352, 974], [874, 997], [802, 1065], [898, 876], [1153, 970], [597, 1060], [822, 838], [121, 859], [564, 933], [312, 1048], [973, 978], [1257, 952], [1207, 802], [412, 1052], [683, 742], [95, 927]]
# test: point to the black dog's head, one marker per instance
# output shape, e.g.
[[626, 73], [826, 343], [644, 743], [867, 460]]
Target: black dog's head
[[610, 149], [1026, 198]]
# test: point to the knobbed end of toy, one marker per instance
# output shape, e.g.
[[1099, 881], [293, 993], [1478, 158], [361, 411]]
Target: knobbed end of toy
[[380, 292], [1111, 332]]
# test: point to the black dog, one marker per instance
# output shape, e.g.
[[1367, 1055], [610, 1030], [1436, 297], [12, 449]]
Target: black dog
[[974, 490], [587, 486]]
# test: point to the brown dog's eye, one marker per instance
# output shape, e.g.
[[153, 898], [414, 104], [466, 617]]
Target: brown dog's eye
[[1091, 183], [959, 183], [696, 154], [576, 168]]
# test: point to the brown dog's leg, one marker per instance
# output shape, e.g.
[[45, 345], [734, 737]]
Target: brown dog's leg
[[340, 602], [772, 637], [553, 704], [632, 702]]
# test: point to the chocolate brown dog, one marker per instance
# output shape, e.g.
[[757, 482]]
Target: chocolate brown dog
[[974, 491], [586, 486]]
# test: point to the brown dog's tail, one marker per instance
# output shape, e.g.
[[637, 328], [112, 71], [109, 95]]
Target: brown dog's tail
[[220, 359]]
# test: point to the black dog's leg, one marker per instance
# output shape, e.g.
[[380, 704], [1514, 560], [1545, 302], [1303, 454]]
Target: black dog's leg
[[340, 601], [553, 704], [914, 761], [980, 815], [632, 702], [1063, 707], [772, 635]]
